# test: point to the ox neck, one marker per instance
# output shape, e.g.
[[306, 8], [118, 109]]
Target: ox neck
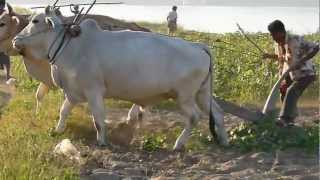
[[57, 46]]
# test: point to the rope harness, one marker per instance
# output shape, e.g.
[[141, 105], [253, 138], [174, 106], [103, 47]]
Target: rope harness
[[64, 35]]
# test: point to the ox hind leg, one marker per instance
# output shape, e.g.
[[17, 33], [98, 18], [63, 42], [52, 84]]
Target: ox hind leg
[[189, 109], [135, 115], [96, 105], [203, 100], [41, 92], [64, 113]]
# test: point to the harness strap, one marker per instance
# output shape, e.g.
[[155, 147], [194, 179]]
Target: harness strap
[[52, 60]]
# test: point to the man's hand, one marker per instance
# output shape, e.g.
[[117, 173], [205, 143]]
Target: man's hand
[[269, 56], [295, 66]]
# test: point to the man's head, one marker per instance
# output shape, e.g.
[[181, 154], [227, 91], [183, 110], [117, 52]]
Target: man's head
[[174, 8], [2, 6], [277, 31]]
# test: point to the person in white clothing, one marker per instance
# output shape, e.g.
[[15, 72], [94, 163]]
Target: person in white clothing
[[172, 21]]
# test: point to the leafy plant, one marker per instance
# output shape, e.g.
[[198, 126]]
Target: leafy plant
[[266, 136], [154, 142]]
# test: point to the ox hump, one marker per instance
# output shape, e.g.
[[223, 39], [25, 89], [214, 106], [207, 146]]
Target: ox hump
[[90, 25]]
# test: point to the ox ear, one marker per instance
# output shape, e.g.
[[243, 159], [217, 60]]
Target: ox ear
[[57, 12], [50, 22], [47, 10], [16, 20], [10, 9]]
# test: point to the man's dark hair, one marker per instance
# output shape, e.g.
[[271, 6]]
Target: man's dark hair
[[276, 26], [174, 8], [2, 4]]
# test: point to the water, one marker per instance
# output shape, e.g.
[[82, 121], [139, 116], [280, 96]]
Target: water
[[217, 19]]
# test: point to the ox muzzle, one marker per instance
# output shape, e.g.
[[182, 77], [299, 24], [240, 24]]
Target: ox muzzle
[[18, 44]]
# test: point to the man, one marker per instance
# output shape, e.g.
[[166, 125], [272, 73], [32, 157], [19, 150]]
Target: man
[[5, 64], [2, 5], [4, 59], [172, 21], [294, 52]]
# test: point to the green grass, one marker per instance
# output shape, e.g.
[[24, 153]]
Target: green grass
[[26, 144], [268, 137], [241, 74]]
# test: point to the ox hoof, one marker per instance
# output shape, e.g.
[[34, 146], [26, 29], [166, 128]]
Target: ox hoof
[[102, 141], [59, 129], [52, 132], [178, 148], [223, 142], [103, 144]]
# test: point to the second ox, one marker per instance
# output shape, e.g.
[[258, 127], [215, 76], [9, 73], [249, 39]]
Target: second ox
[[140, 67]]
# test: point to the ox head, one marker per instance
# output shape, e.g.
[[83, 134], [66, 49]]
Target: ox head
[[9, 25], [40, 34]]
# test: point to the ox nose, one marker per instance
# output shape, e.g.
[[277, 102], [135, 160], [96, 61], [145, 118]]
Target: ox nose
[[17, 43]]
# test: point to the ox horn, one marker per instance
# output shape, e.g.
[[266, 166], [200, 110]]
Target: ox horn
[[47, 10], [10, 9], [55, 3]]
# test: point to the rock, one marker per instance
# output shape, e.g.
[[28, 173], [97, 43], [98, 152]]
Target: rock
[[136, 178], [115, 165], [98, 154], [102, 174], [11, 81], [122, 134], [100, 170], [67, 149], [135, 171], [243, 173], [309, 177], [162, 178], [219, 177]]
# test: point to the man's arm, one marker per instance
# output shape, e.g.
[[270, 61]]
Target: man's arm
[[313, 51], [311, 54], [270, 56]]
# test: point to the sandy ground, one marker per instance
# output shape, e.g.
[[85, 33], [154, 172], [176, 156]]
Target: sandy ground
[[214, 163], [131, 162]]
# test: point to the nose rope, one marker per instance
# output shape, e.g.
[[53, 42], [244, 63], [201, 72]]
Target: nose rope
[[62, 32], [32, 35], [52, 59]]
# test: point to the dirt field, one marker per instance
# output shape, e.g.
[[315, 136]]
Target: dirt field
[[119, 162], [213, 163]]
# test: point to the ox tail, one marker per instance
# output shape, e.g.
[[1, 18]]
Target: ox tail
[[210, 78]]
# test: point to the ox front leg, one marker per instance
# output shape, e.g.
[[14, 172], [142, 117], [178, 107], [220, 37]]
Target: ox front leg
[[135, 115], [64, 113], [96, 106], [189, 109], [41, 92]]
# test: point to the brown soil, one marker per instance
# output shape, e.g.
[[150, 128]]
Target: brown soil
[[214, 163], [123, 160]]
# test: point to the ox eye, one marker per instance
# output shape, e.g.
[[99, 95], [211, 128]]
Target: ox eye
[[35, 21], [2, 24]]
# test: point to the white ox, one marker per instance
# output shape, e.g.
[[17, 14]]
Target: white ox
[[140, 67], [11, 23]]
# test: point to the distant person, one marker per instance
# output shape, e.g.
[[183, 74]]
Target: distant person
[[292, 51], [172, 21], [2, 6], [5, 64]]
